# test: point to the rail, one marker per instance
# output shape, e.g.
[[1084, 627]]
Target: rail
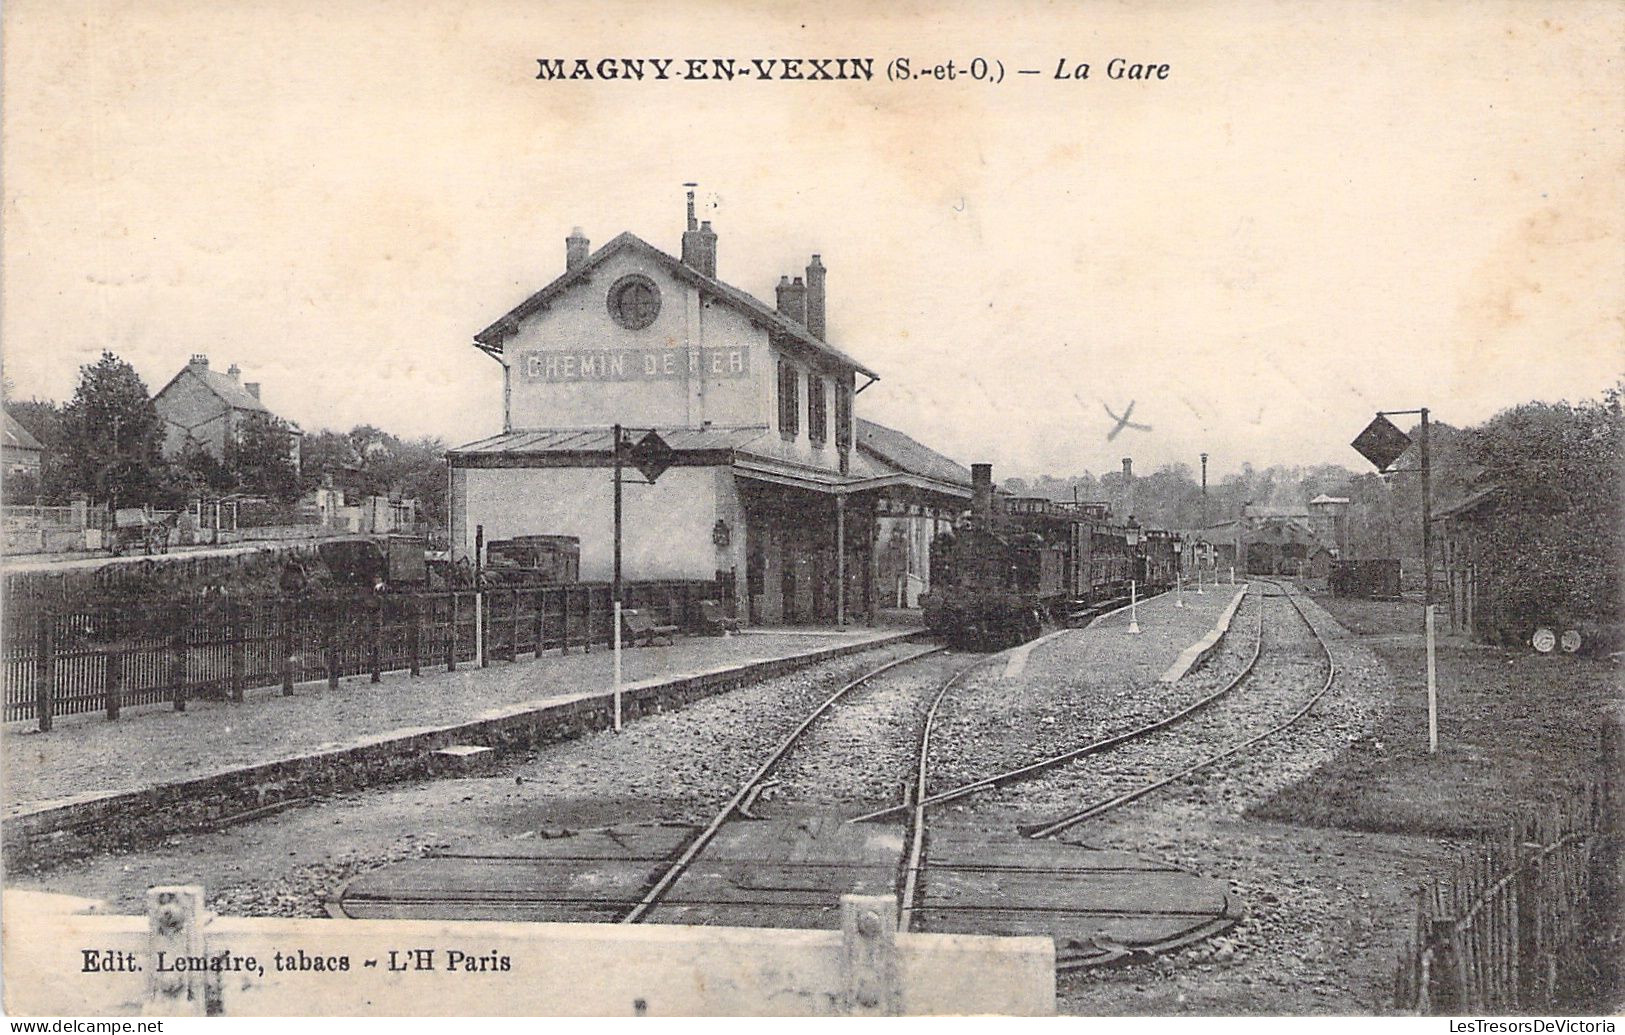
[[1020, 773], [1101, 807], [662, 885]]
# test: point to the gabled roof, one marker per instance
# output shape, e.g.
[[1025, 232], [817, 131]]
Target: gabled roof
[[590, 447], [557, 441], [1264, 510], [893, 448], [491, 338], [18, 437], [228, 389], [1473, 501]]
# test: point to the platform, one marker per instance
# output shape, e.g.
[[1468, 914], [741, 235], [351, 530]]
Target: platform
[[218, 759], [1109, 649]]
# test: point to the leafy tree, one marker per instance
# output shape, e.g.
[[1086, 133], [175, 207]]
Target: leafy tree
[[367, 461], [111, 435], [259, 456], [199, 473], [327, 456], [1552, 541]]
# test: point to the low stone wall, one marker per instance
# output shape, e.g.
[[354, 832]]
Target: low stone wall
[[41, 836]]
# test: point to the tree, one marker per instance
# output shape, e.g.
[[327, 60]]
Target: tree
[[1553, 541], [111, 436], [327, 457], [198, 473], [367, 461], [259, 456]]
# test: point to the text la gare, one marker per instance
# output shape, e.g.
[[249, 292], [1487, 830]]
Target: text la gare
[[1116, 68]]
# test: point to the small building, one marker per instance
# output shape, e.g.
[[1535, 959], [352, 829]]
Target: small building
[[1269, 540], [1472, 594], [208, 407], [20, 452], [764, 488], [1319, 564], [921, 495], [371, 515], [1330, 516]]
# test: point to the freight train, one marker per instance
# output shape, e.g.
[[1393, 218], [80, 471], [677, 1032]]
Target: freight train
[[1017, 564]]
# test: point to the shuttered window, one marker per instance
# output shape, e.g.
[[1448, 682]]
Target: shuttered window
[[843, 416], [817, 410], [789, 399]]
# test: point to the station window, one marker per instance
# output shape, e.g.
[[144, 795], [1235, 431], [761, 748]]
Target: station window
[[817, 410], [634, 301], [789, 399], [843, 416]]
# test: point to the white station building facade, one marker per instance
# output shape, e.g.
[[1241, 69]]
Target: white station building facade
[[774, 483]]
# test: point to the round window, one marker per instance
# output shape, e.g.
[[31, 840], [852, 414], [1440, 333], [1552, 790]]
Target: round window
[[634, 301]]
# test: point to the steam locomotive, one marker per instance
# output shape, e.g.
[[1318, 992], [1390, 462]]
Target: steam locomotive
[[1017, 564]]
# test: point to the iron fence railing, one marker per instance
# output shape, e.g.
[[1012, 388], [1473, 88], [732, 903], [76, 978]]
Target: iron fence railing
[[60, 660]]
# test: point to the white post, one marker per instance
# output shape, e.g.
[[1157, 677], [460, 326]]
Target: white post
[[479, 629], [1133, 607], [175, 918], [1433, 690], [870, 985], [1232, 574], [617, 666], [1199, 591], [1179, 589]]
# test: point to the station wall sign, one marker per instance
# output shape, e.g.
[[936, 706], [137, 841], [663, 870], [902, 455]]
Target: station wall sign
[[670, 364]]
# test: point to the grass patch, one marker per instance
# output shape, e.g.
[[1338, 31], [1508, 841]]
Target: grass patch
[[1515, 729]]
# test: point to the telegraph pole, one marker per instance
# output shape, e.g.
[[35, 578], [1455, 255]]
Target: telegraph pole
[[615, 586], [1204, 490], [1382, 443], [615, 594], [1427, 516]]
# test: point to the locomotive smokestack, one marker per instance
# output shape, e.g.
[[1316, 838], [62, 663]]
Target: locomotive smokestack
[[981, 491]]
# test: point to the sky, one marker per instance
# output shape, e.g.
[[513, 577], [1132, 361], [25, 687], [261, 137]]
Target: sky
[[1324, 209]]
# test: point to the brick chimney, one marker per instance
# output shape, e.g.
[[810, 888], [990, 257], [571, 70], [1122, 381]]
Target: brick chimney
[[198, 360], [699, 243], [575, 250], [815, 297], [793, 299], [234, 371]]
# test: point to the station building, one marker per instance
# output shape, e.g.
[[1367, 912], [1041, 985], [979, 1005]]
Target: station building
[[769, 484]]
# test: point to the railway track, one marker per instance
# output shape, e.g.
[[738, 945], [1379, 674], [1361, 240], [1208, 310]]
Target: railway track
[[1134, 736], [743, 799], [785, 860], [1280, 699], [1032, 769]]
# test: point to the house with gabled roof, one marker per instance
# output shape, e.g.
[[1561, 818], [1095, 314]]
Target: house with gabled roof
[[208, 407], [20, 451], [765, 488]]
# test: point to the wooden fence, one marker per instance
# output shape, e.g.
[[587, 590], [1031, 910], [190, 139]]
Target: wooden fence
[[1526, 922], [64, 661]]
